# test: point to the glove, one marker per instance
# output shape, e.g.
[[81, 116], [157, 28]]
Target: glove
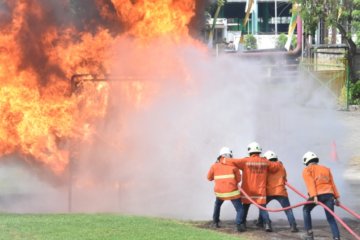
[[316, 200], [313, 199], [337, 202]]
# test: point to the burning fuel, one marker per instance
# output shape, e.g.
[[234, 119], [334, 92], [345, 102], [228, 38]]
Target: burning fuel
[[42, 46]]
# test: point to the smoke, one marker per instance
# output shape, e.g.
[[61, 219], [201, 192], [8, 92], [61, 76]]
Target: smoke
[[157, 154], [153, 151], [152, 159]]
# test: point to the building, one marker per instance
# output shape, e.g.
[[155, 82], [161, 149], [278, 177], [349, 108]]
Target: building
[[268, 19]]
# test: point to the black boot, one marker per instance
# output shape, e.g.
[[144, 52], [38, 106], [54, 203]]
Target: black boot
[[294, 228], [215, 225], [241, 227], [259, 224], [309, 235], [268, 227]]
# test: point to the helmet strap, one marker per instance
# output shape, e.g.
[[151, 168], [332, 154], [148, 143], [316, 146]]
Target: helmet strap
[[313, 161]]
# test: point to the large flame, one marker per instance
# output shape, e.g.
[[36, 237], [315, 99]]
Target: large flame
[[153, 18], [40, 118]]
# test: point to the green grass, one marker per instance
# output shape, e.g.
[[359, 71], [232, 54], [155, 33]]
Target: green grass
[[99, 226]]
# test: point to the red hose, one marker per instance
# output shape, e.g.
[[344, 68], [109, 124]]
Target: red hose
[[330, 211], [342, 206], [298, 205], [273, 209], [350, 211], [320, 203]]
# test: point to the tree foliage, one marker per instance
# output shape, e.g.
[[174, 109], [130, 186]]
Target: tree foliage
[[356, 20], [343, 14]]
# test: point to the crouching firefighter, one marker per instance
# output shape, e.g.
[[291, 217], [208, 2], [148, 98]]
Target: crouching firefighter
[[255, 170], [321, 188], [276, 190], [226, 180]]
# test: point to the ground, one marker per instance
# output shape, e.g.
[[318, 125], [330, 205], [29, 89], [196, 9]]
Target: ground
[[352, 121], [282, 230]]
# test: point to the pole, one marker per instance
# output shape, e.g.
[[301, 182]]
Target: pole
[[302, 40], [245, 25], [70, 186], [276, 18], [347, 81]]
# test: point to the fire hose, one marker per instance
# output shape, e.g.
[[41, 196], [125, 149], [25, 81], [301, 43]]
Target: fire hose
[[298, 205], [340, 205]]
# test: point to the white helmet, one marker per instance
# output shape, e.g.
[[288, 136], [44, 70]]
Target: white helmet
[[270, 155], [254, 147], [225, 151], [310, 156]]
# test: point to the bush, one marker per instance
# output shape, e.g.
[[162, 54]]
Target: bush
[[282, 39], [250, 42], [355, 93]]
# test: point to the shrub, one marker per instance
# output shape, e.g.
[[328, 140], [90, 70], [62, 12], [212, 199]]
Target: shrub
[[250, 42], [282, 39], [355, 93]]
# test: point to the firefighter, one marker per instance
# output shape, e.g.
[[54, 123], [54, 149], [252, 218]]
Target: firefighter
[[321, 188], [226, 179], [255, 170], [276, 190]]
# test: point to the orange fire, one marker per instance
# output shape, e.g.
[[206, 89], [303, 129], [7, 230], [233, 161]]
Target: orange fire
[[40, 118], [147, 19]]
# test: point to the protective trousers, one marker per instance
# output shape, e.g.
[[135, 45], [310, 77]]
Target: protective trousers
[[328, 200], [237, 205]]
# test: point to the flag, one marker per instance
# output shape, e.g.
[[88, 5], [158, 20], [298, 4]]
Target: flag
[[292, 26], [249, 7]]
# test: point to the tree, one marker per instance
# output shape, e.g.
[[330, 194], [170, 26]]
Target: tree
[[343, 14], [356, 21]]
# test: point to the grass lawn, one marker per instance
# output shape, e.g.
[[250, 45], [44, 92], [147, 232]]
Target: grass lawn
[[99, 226]]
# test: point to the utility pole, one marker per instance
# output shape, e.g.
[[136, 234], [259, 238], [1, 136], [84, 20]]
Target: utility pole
[[276, 18]]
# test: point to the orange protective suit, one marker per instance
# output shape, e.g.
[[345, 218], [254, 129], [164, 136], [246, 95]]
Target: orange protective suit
[[226, 179], [255, 171], [318, 180], [276, 182]]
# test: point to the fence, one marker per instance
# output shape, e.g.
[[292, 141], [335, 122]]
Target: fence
[[329, 67]]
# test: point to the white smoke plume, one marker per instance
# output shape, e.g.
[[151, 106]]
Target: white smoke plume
[[152, 159]]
